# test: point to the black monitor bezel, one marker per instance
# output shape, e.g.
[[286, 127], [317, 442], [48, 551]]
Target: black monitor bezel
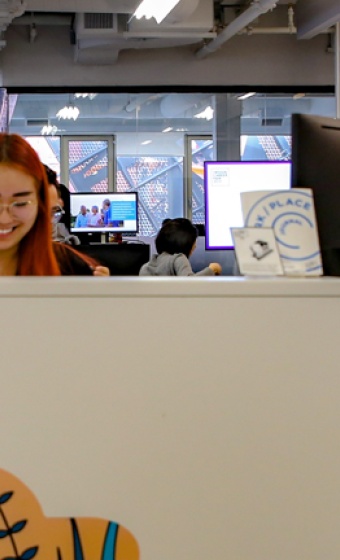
[[316, 165], [104, 229]]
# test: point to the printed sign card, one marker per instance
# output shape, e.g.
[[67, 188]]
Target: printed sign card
[[291, 215], [256, 251]]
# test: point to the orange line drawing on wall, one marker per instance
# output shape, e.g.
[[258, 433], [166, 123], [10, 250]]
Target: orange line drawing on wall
[[25, 532]]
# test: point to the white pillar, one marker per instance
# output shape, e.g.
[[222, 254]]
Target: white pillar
[[227, 127]]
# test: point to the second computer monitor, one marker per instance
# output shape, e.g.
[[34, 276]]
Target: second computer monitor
[[224, 182]]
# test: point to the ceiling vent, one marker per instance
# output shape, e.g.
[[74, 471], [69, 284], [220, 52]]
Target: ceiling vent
[[272, 122], [36, 122], [99, 21], [94, 26]]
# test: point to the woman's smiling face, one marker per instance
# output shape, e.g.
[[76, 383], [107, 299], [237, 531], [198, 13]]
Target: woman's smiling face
[[16, 219]]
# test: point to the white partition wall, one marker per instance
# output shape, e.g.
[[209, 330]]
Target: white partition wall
[[202, 414]]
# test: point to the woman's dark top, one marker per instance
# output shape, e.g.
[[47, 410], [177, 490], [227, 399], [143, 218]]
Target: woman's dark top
[[71, 262]]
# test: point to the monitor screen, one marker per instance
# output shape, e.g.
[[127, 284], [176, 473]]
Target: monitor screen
[[224, 181], [316, 164], [108, 212]]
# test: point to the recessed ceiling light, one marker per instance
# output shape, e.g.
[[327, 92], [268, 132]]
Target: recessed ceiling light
[[49, 130], [246, 95], [157, 9], [68, 112], [207, 114], [84, 95]]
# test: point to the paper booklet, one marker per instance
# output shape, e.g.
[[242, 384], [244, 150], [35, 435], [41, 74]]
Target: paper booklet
[[290, 213], [256, 251]]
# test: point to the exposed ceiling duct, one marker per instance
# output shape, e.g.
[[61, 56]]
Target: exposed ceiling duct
[[101, 29], [182, 11], [257, 8], [9, 10], [100, 37], [78, 6]]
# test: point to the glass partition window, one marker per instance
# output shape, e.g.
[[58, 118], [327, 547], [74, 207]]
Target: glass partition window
[[266, 147], [89, 165], [156, 143], [200, 150], [159, 183], [48, 149]]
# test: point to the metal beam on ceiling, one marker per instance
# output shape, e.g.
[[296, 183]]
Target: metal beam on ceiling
[[315, 16]]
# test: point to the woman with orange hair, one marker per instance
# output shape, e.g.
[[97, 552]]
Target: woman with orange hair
[[26, 246]]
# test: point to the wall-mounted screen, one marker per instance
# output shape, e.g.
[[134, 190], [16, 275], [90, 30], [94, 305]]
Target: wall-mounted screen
[[109, 212], [223, 183]]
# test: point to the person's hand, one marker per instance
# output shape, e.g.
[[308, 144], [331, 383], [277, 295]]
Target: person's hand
[[216, 268], [101, 271]]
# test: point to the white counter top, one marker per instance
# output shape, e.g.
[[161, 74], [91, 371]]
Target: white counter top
[[117, 287]]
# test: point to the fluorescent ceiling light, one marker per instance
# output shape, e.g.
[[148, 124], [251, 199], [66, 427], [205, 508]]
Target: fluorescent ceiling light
[[168, 129], [68, 112], [246, 95], [157, 9], [207, 114], [146, 142], [49, 130], [84, 95]]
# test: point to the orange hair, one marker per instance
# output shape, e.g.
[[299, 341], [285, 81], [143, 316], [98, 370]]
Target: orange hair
[[36, 255]]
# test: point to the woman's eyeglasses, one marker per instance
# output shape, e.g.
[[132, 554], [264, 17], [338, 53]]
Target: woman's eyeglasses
[[18, 208]]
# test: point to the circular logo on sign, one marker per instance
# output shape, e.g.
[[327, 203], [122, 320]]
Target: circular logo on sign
[[291, 215]]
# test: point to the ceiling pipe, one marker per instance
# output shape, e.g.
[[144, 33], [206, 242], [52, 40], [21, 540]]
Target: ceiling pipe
[[289, 30], [291, 19], [257, 8], [268, 31]]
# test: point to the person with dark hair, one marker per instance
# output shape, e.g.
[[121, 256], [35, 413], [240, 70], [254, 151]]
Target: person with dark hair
[[65, 199], [51, 175], [60, 232], [63, 195], [175, 242], [166, 221]]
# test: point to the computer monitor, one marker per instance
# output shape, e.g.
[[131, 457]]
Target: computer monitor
[[316, 164], [224, 181], [104, 213]]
